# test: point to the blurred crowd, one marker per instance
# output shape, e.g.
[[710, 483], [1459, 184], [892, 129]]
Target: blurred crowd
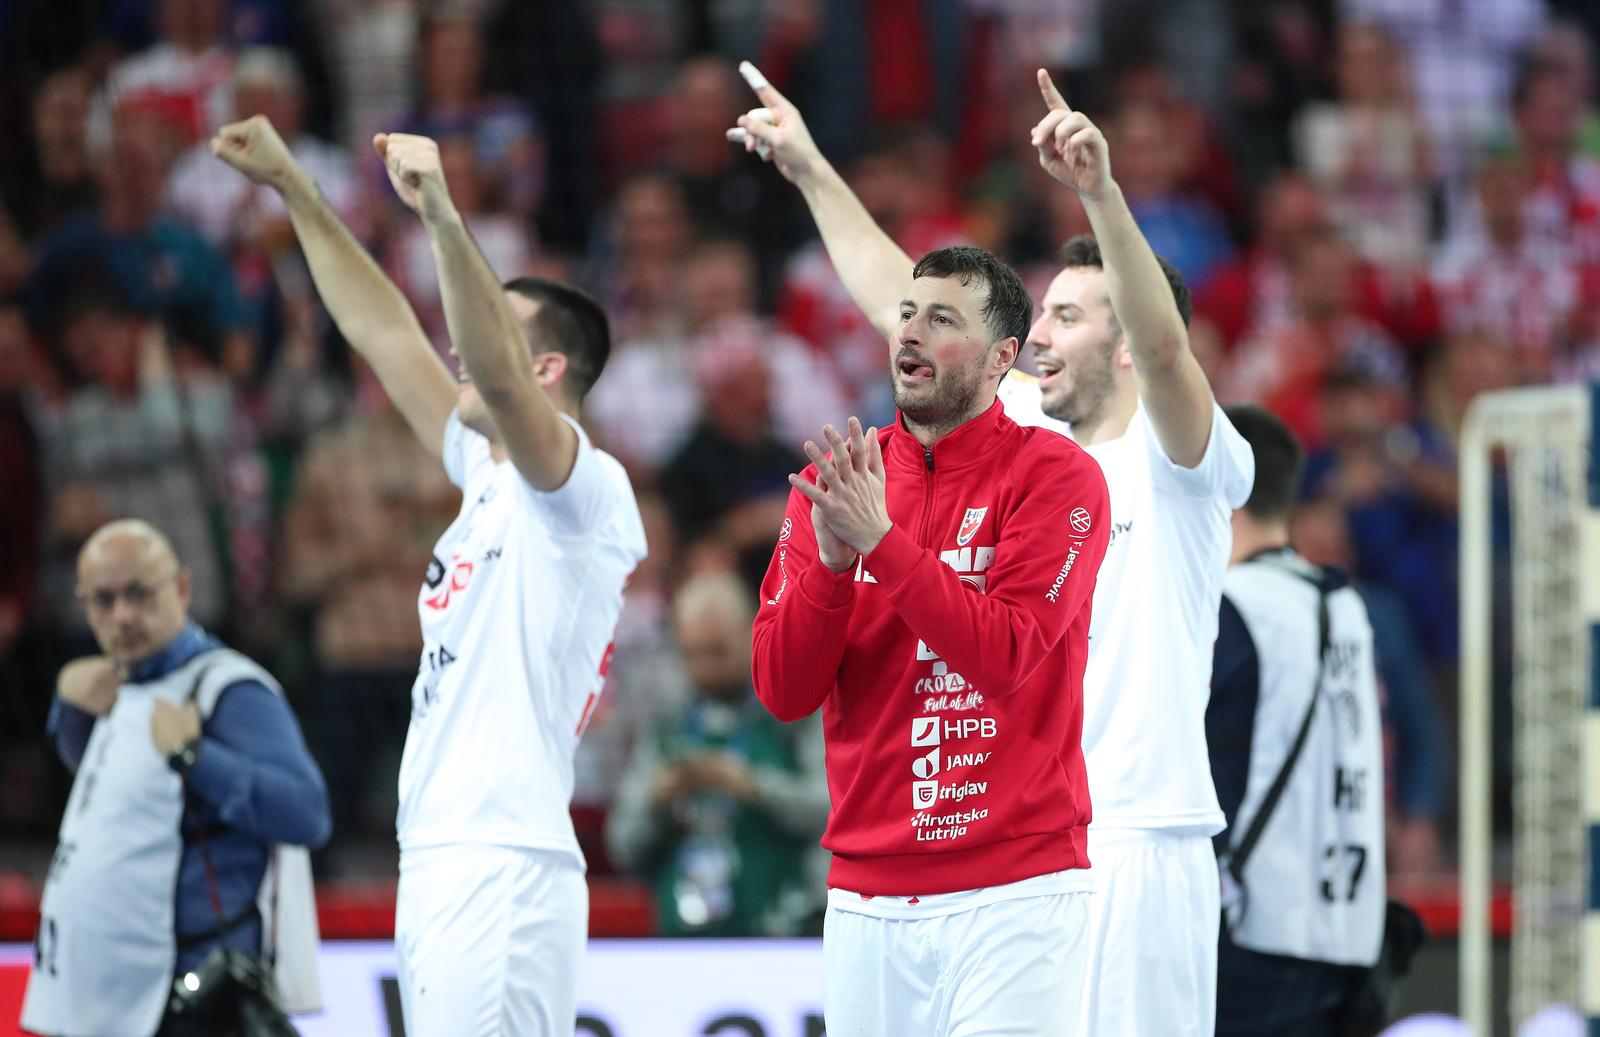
[[1384, 207]]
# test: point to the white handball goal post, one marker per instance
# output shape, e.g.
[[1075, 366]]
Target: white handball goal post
[[1540, 442]]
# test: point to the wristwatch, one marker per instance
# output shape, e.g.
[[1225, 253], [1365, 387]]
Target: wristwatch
[[183, 757]]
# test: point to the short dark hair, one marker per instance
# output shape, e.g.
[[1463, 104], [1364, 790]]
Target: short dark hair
[[1084, 251], [570, 322], [1008, 312], [1280, 461]]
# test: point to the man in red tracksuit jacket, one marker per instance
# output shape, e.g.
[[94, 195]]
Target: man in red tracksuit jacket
[[930, 591]]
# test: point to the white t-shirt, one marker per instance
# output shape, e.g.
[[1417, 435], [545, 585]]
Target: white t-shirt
[[1024, 403], [1154, 624], [518, 610]]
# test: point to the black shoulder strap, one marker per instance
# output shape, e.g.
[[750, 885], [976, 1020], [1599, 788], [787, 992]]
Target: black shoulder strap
[[1240, 853]]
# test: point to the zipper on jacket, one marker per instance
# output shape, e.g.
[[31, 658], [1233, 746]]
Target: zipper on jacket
[[927, 498]]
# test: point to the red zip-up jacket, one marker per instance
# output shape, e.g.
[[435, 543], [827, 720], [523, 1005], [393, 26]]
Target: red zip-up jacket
[[948, 662]]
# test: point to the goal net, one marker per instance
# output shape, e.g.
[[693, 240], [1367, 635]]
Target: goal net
[[1537, 441]]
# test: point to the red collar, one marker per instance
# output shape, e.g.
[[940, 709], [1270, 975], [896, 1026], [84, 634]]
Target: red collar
[[967, 445]]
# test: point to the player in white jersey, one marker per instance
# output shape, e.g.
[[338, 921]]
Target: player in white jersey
[[1112, 348], [518, 605]]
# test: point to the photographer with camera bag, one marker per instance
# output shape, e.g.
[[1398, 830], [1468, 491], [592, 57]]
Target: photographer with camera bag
[[1295, 734], [179, 900]]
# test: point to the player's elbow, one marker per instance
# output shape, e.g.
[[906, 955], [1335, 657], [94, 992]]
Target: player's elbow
[[786, 706], [1164, 352], [787, 710]]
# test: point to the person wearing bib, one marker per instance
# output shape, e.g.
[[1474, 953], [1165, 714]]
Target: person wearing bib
[[1295, 736], [191, 812]]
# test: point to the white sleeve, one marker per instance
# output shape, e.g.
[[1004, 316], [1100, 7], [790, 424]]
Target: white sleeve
[[465, 452], [584, 502], [1228, 469]]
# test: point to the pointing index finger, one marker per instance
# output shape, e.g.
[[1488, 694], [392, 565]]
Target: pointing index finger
[[758, 82], [1052, 96]]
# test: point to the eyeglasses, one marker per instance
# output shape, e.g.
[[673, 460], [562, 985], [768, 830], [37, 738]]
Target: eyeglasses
[[137, 595]]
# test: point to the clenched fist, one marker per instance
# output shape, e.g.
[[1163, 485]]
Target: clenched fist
[[416, 172], [90, 684], [254, 148]]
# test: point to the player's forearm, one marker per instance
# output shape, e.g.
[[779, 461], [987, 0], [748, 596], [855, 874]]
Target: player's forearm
[[873, 268], [371, 314], [365, 305], [497, 356], [798, 638], [1140, 295], [482, 327]]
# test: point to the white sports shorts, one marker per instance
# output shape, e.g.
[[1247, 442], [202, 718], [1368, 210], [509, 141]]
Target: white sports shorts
[[1152, 935], [1010, 968], [489, 940]]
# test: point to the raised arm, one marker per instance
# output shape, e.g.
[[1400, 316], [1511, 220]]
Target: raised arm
[[483, 328], [1172, 385], [873, 268], [369, 310]]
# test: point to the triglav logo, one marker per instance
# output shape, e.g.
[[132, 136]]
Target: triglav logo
[[924, 794]]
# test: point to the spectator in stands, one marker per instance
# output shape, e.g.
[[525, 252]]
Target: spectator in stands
[[154, 876], [722, 806], [54, 177], [133, 438], [1368, 150], [183, 83], [1416, 747], [231, 212], [1186, 228], [125, 244], [504, 137], [715, 303], [21, 479], [728, 192], [1203, 163], [1462, 58], [1564, 205], [249, 224], [1284, 364], [367, 506], [1502, 277], [636, 263], [727, 486], [372, 50], [1252, 289], [1394, 481], [1566, 50]]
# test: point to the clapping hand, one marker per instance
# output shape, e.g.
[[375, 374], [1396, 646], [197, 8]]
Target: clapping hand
[[849, 503]]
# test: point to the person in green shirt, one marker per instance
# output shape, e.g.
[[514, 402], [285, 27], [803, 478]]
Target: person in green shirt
[[722, 805]]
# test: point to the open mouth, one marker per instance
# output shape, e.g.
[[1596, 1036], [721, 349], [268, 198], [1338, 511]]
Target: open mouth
[[913, 370], [1049, 369]]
